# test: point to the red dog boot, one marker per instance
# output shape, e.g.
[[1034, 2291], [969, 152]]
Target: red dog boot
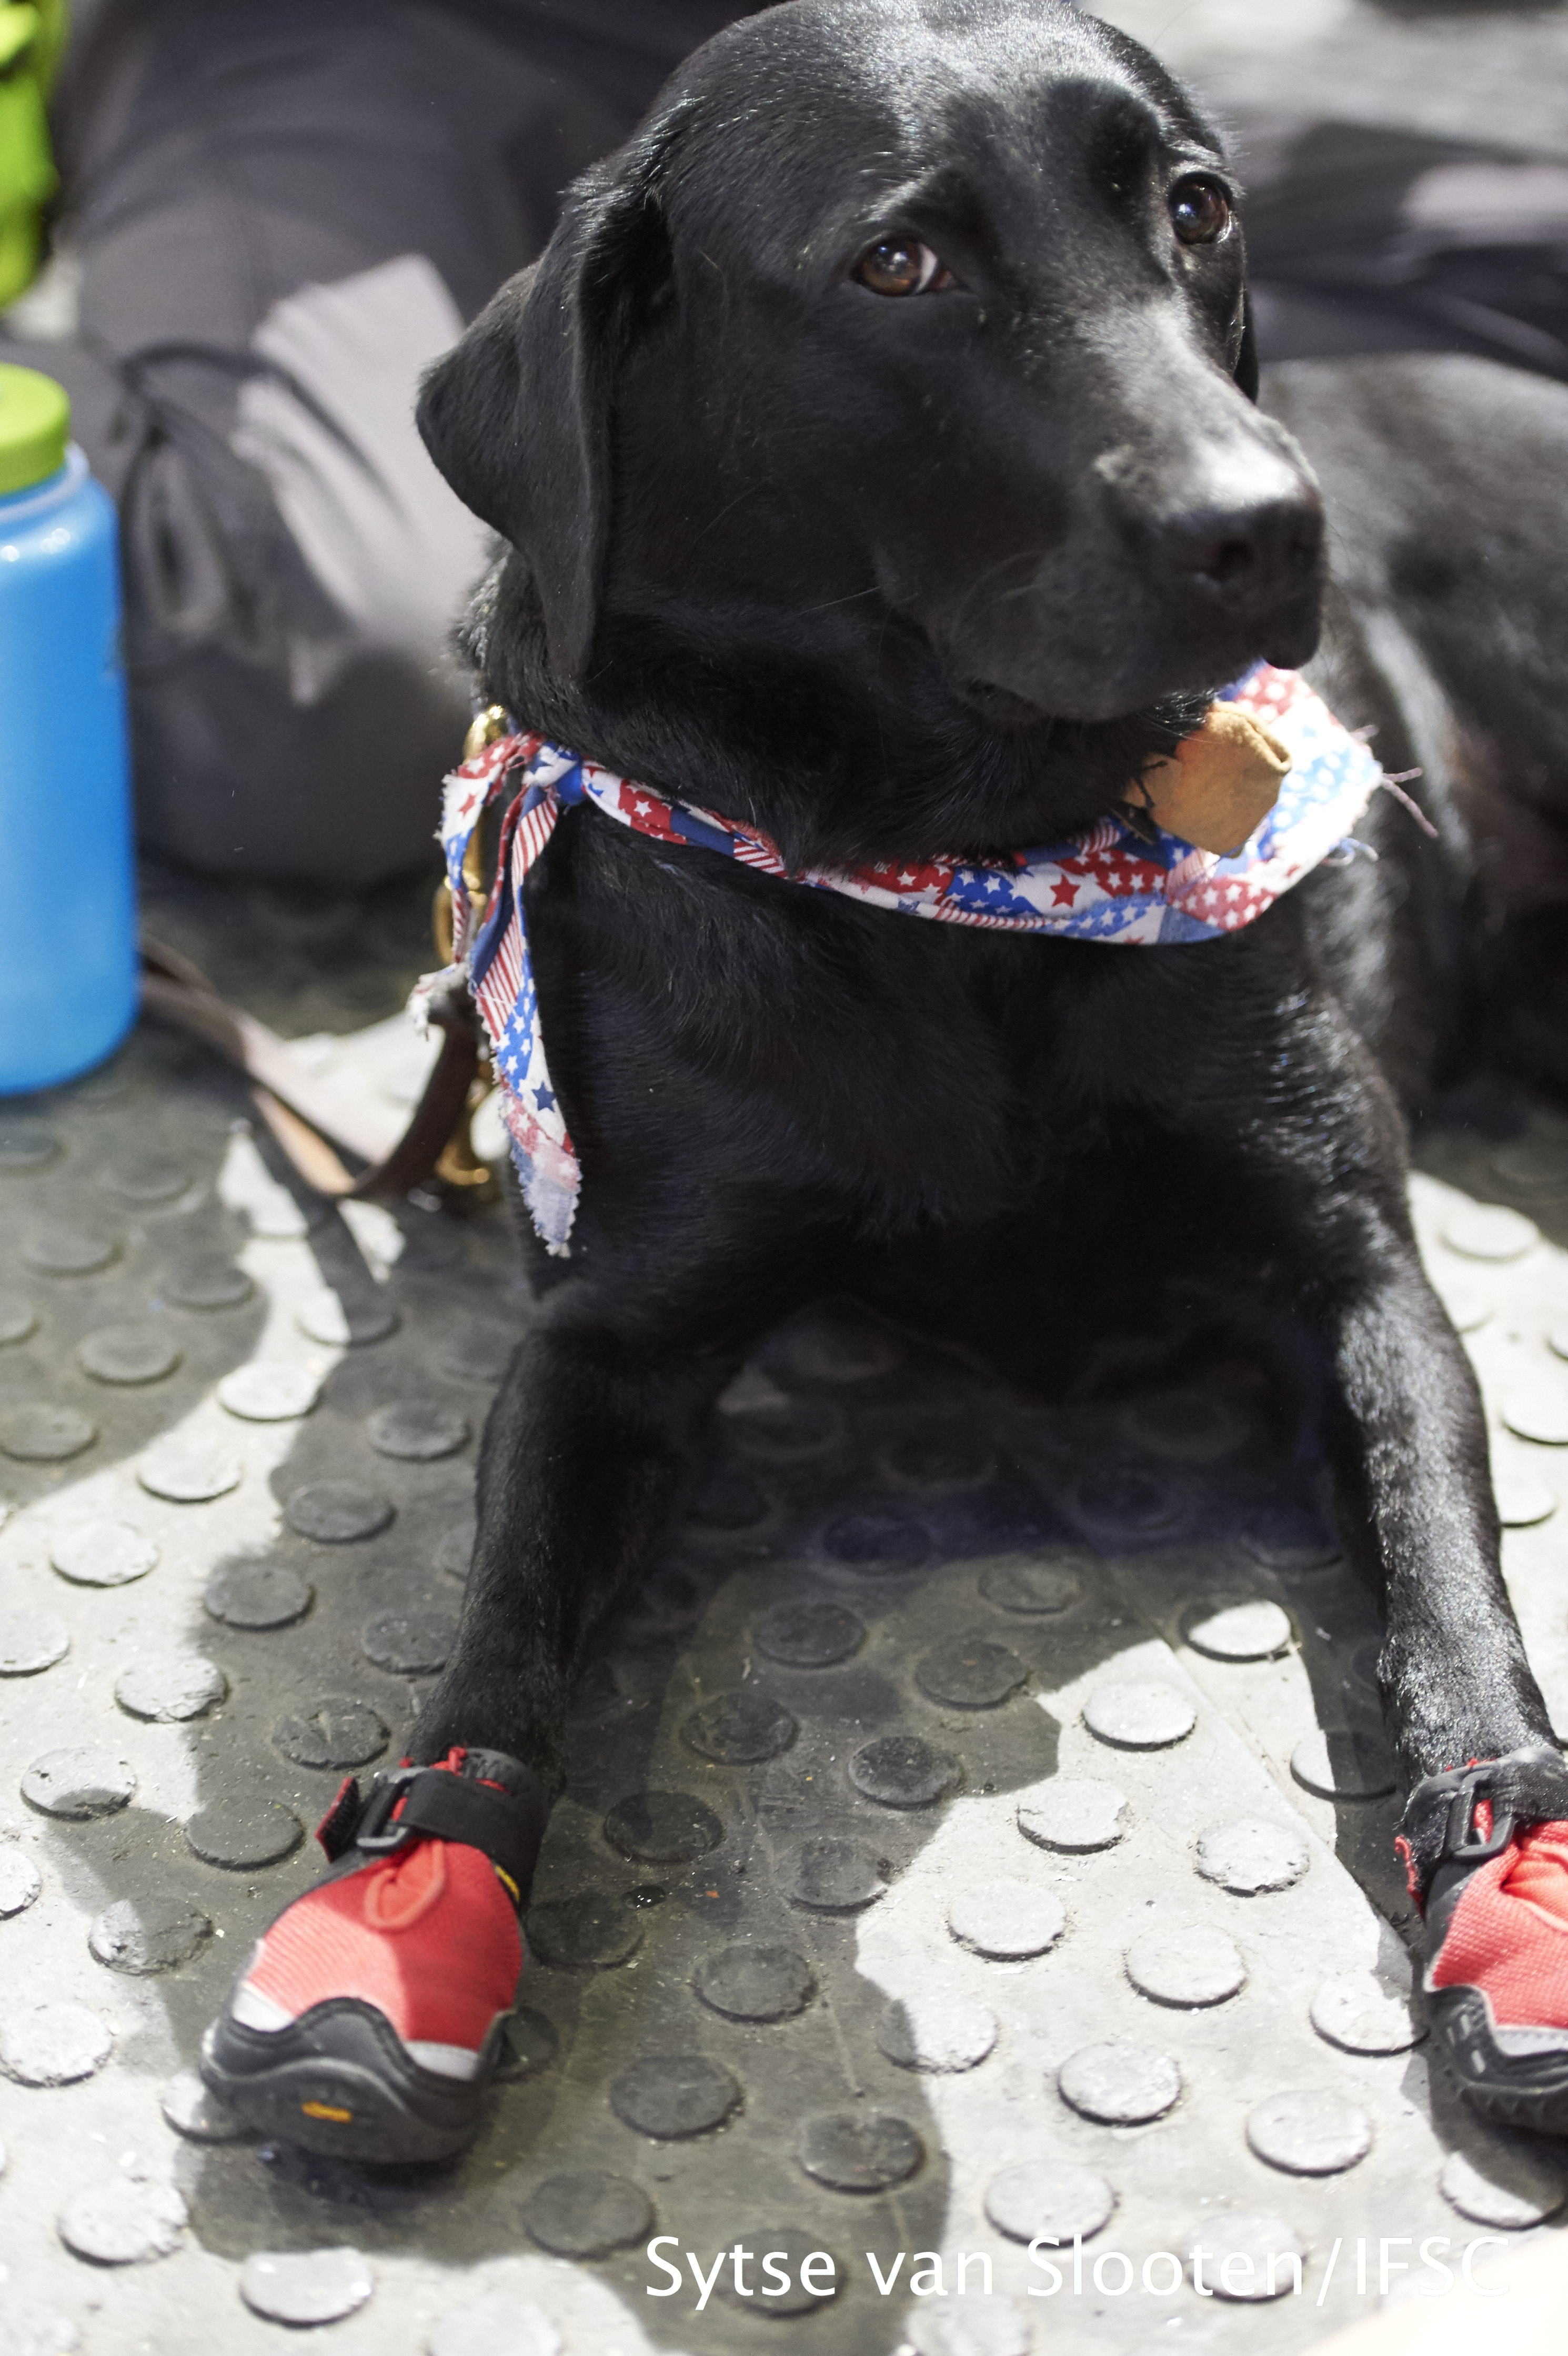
[[1486, 1851], [368, 2019]]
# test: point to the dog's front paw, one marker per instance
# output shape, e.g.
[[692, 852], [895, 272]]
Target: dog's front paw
[[368, 2020], [1485, 1850]]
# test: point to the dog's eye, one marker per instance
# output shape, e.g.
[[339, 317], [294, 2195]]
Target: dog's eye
[[1200, 212], [902, 265]]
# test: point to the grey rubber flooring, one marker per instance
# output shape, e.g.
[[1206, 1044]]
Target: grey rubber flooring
[[979, 1825]]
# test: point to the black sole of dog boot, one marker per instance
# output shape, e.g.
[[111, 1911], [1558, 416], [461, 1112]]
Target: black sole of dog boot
[[1526, 2090], [339, 2082]]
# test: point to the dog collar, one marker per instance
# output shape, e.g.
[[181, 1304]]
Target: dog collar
[[1106, 885]]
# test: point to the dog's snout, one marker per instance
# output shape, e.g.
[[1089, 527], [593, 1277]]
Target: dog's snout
[[1240, 525], [1251, 551]]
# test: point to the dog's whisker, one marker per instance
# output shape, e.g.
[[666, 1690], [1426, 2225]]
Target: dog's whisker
[[852, 596]]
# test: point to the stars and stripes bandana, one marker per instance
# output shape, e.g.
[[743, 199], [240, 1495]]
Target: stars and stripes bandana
[[1105, 884]]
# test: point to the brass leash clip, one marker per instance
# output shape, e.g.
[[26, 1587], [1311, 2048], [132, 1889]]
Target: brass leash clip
[[458, 1165]]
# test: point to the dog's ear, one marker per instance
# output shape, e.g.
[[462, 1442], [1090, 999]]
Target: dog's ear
[[517, 415], [1246, 368]]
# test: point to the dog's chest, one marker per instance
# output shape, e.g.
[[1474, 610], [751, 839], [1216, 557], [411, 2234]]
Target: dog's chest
[[763, 1035]]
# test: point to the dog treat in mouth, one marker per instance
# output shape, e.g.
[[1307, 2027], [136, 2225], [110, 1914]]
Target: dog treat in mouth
[[1219, 784]]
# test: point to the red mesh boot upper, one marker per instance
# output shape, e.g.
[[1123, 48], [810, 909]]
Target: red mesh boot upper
[[428, 1936], [1508, 1935]]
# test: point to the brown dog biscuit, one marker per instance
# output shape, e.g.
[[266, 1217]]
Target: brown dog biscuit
[[1219, 784]]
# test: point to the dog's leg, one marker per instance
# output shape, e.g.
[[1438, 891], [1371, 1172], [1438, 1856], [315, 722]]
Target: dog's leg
[[1407, 1441], [369, 2019], [1486, 1829], [585, 1457]]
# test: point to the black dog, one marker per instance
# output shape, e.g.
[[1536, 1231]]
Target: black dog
[[876, 449]]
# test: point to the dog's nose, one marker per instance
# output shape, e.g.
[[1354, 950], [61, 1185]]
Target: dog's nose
[[1251, 551], [1241, 527]]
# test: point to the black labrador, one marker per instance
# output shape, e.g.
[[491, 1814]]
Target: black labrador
[[876, 451]]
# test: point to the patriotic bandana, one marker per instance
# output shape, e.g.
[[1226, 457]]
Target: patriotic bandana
[[1105, 884]]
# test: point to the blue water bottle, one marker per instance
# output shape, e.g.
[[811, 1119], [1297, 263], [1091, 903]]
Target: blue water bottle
[[67, 904]]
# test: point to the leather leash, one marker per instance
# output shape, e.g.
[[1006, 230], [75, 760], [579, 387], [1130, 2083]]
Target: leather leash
[[301, 1111]]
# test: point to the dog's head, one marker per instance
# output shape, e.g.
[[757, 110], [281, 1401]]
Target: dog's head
[[928, 314]]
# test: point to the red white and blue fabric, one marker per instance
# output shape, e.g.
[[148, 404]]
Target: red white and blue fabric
[[1106, 885]]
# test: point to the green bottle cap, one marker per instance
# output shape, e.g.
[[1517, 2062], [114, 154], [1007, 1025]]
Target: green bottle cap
[[34, 420]]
